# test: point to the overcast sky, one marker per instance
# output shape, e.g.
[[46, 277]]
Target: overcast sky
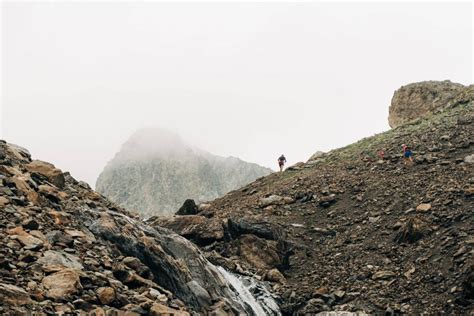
[[242, 79]]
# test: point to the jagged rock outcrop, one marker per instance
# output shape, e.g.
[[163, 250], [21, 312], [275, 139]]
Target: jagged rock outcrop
[[416, 100], [260, 243], [189, 207], [67, 249], [361, 231], [156, 171]]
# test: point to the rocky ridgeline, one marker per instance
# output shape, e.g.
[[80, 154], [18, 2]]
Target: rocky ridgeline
[[66, 249], [155, 171], [353, 231], [419, 99]]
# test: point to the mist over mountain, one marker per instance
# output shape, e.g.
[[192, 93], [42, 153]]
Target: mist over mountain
[[156, 171], [359, 230]]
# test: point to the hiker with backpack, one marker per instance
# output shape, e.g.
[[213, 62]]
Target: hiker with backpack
[[407, 155], [281, 162]]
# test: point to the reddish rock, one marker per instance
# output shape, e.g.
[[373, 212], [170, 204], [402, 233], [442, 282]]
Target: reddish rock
[[61, 285], [261, 253], [274, 275], [424, 207], [106, 295], [13, 295], [54, 175], [162, 310]]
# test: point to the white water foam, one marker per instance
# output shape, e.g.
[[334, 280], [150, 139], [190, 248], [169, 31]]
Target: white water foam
[[261, 304]]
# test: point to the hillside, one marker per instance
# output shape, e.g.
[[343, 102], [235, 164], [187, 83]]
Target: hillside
[[346, 231], [350, 231], [66, 249], [156, 171]]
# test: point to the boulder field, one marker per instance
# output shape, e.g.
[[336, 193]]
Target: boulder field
[[65, 248]]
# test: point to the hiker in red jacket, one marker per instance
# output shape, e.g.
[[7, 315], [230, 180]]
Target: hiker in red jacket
[[281, 162]]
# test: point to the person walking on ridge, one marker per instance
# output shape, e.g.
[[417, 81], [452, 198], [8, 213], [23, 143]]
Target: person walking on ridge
[[281, 162]]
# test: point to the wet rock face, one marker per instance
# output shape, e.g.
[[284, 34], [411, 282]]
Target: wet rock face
[[416, 100]]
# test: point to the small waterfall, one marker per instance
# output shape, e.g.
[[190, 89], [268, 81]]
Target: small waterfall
[[251, 294], [245, 295]]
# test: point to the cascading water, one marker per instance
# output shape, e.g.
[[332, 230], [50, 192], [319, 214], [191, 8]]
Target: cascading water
[[254, 296], [204, 283]]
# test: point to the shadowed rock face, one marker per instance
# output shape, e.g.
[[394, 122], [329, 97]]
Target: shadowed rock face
[[156, 171], [66, 248], [189, 208], [419, 99], [175, 262]]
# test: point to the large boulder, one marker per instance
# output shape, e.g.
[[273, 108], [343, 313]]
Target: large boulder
[[199, 229], [53, 174], [258, 252], [61, 285], [189, 208], [263, 229], [55, 261], [419, 99]]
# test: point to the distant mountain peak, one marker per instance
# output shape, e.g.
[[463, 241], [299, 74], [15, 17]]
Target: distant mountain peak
[[155, 171]]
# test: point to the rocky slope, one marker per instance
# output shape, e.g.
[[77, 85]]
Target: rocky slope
[[66, 249], [424, 98], [156, 171], [350, 230]]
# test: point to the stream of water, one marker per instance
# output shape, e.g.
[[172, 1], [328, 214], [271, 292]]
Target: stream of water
[[251, 294]]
